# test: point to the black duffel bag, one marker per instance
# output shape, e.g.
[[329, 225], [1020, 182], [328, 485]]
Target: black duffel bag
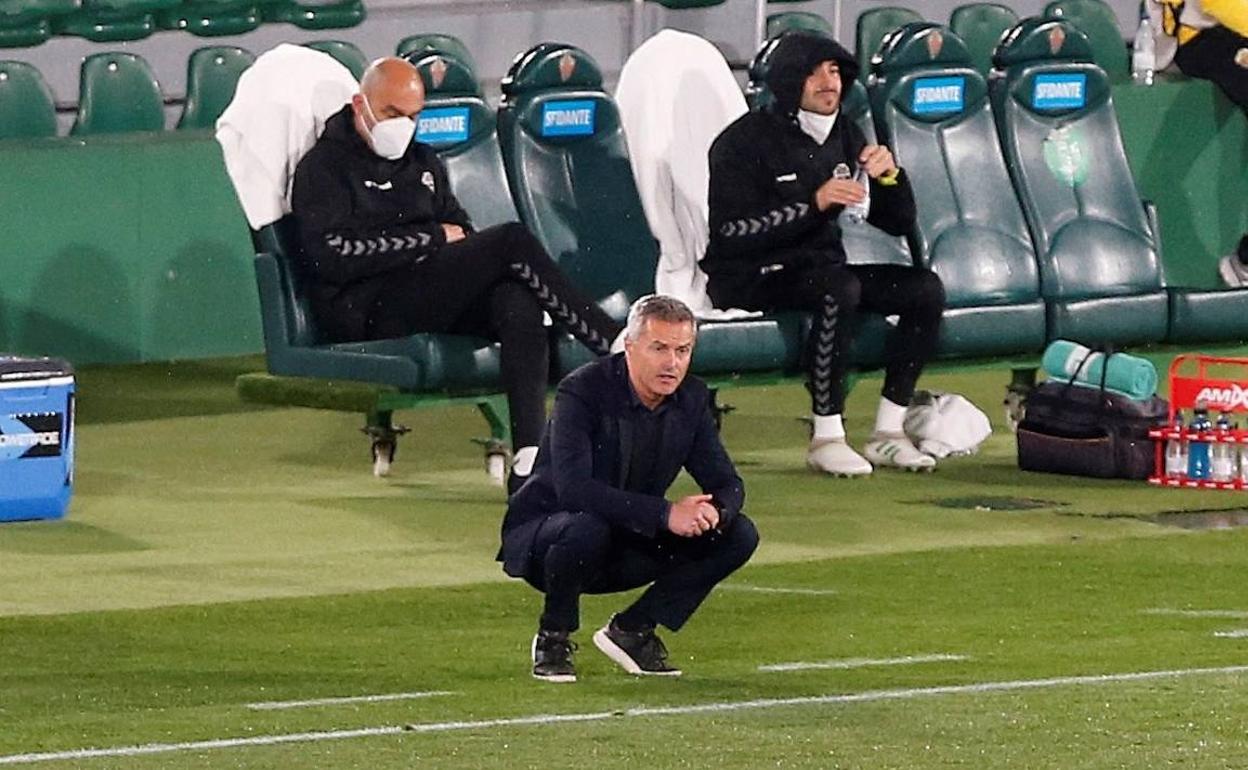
[[1087, 431]]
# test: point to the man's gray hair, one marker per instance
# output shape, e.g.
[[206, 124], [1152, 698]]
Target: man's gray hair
[[658, 306]]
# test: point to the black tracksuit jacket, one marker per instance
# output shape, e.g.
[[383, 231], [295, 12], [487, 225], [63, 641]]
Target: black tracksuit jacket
[[362, 220], [764, 171]]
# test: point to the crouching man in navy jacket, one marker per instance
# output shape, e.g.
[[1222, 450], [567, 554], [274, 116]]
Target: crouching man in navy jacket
[[594, 516]]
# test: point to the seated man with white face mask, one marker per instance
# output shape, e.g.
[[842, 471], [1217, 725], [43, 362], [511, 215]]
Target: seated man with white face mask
[[388, 251]]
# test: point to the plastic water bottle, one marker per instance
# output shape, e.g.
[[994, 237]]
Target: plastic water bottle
[[1176, 450], [1198, 448], [1222, 453], [855, 212], [1143, 51], [1243, 465]]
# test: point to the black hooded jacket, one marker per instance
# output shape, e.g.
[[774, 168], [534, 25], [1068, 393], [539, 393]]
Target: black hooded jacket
[[362, 220], [764, 171]]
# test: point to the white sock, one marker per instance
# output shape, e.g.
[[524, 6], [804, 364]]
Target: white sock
[[828, 426], [890, 417], [523, 464]]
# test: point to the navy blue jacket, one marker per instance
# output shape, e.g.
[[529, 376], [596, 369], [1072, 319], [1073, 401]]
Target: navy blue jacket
[[584, 453]]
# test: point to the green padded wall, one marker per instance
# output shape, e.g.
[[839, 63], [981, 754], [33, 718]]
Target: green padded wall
[[154, 265]]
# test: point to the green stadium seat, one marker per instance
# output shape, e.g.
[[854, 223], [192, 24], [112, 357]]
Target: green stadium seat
[[1100, 271], [107, 21], [567, 164], [797, 21], [118, 93], [981, 26], [30, 22], [1096, 20], [871, 28], [415, 45], [211, 76], [211, 18], [351, 57], [337, 14], [932, 109], [457, 122], [294, 347], [27, 109]]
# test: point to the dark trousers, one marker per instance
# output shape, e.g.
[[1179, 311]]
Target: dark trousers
[[580, 553], [1211, 55], [836, 294], [495, 284]]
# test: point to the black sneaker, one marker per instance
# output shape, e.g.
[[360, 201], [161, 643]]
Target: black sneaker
[[552, 657], [637, 652]]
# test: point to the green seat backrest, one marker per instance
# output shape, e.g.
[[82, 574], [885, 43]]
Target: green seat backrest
[[417, 45], [27, 109], [568, 166], [1096, 19], [458, 123], [211, 76], [30, 22], [933, 111], [797, 21], [346, 53], [981, 26], [286, 313], [118, 93], [871, 28], [1060, 135], [211, 18], [335, 14]]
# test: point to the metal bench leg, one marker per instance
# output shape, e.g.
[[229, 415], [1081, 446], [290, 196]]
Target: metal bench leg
[[1022, 380], [385, 435], [497, 449], [718, 410]]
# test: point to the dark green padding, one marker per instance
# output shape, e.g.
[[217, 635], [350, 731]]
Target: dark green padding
[[339, 15], [30, 22], [797, 21], [208, 19], [347, 54], [577, 195], [211, 77], [118, 93], [971, 227], [871, 28], [415, 46], [981, 26], [1096, 20], [421, 362], [27, 109], [1198, 315], [1100, 271]]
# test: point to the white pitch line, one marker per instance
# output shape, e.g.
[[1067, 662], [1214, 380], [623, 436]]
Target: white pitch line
[[777, 590], [597, 716], [1229, 614], [846, 663], [298, 704], [1239, 633]]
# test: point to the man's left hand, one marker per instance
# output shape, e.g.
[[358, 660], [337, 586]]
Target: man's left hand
[[876, 160]]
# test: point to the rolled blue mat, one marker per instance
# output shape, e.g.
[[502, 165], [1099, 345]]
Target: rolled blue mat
[[1131, 376]]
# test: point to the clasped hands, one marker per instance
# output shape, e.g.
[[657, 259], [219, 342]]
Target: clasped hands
[[692, 516]]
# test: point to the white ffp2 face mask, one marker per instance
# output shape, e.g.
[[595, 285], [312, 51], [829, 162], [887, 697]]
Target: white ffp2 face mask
[[816, 126], [392, 136]]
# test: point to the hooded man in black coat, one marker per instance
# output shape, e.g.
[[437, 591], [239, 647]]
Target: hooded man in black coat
[[779, 179]]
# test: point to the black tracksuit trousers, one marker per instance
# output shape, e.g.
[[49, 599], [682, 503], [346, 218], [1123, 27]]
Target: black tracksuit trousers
[[495, 284]]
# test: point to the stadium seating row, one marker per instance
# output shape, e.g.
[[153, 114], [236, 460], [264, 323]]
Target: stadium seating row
[[31, 22], [1028, 212], [118, 92], [980, 26]]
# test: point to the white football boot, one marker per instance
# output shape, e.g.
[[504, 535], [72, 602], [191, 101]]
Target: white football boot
[[895, 450], [835, 457]]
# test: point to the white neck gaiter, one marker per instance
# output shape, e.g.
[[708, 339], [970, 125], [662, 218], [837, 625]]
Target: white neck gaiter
[[816, 126]]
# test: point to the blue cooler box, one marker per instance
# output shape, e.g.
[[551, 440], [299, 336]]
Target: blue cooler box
[[36, 437]]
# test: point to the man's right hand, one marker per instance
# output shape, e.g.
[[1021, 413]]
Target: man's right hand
[[692, 516], [453, 232], [839, 192]]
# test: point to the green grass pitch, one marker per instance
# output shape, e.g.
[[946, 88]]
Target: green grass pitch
[[218, 556]]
